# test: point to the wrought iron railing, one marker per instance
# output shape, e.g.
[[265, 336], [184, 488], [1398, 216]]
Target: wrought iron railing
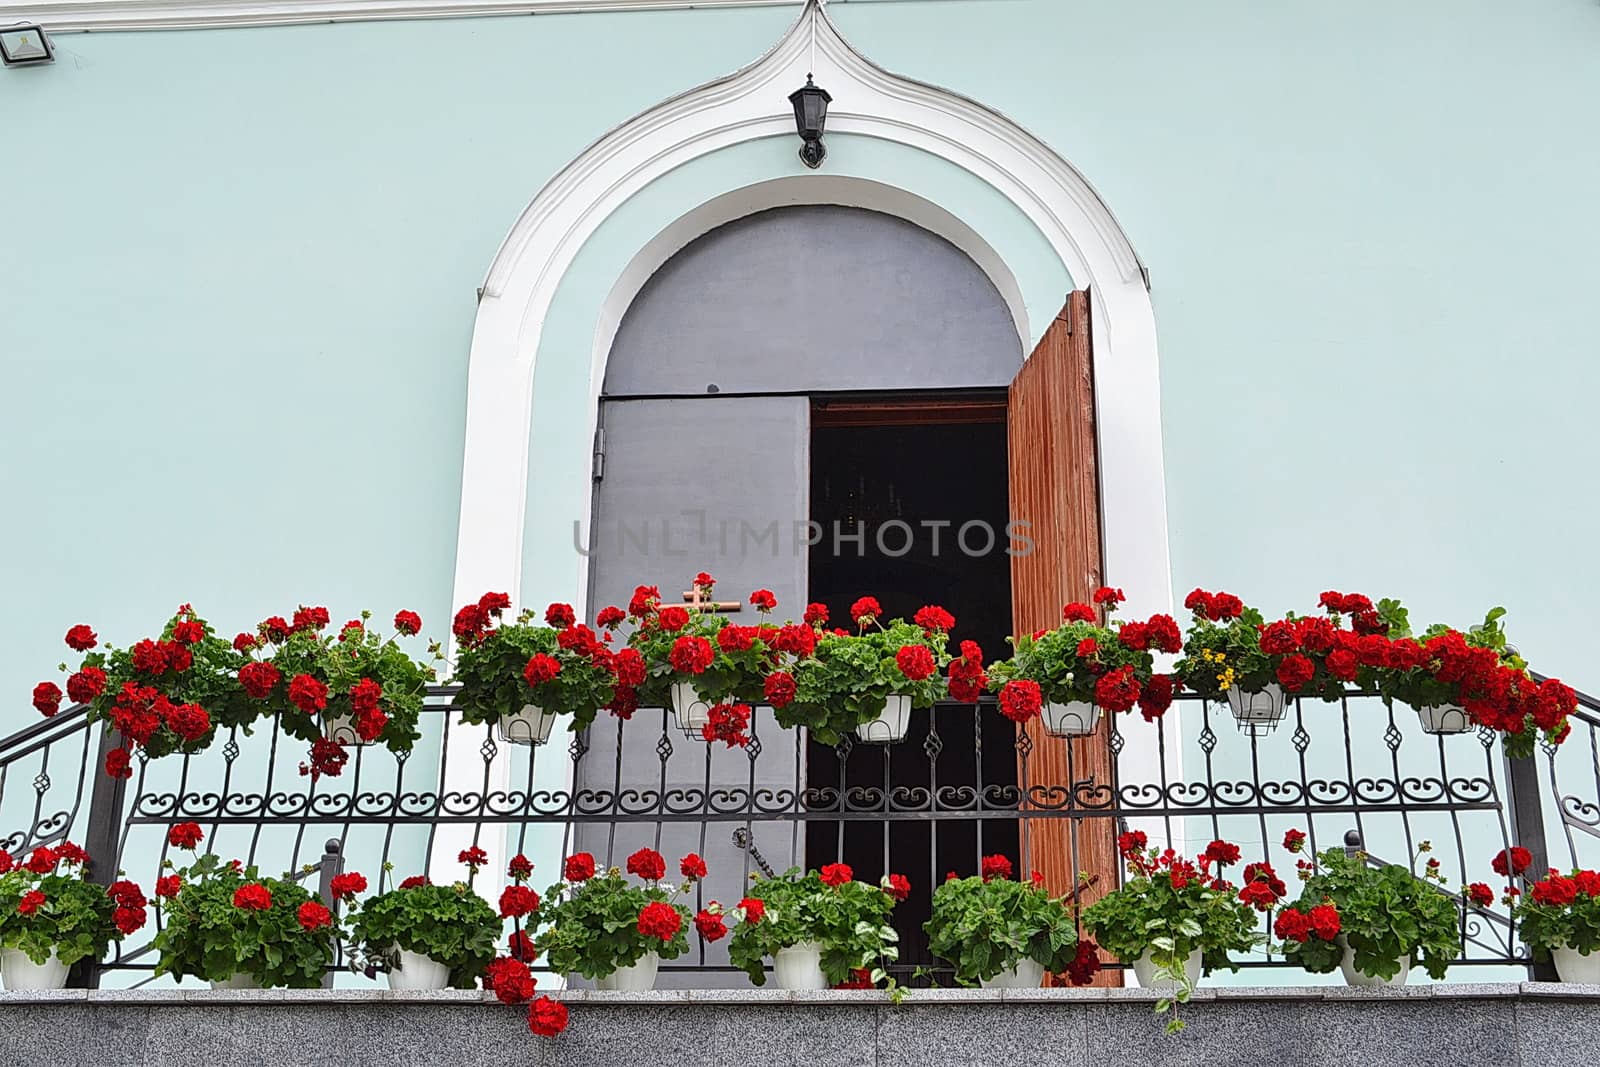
[[964, 783]]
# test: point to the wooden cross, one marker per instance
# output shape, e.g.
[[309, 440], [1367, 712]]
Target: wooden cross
[[696, 599]]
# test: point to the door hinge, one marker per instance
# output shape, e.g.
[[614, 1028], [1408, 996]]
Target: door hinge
[[598, 470]]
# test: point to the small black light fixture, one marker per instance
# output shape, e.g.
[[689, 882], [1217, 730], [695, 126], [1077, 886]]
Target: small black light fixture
[[810, 116], [24, 44]]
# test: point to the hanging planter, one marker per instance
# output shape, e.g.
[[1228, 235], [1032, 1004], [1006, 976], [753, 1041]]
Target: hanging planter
[[529, 726], [799, 966], [237, 981], [1575, 967], [1026, 974], [637, 978], [1444, 719], [1263, 710], [1144, 969], [413, 970], [341, 729], [18, 973], [1355, 978], [1075, 718], [691, 711], [891, 725]]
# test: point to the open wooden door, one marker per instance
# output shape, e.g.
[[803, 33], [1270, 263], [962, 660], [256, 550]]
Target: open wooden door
[[1055, 487]]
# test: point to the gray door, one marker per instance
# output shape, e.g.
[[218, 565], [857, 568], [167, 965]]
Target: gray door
[[718, 484]]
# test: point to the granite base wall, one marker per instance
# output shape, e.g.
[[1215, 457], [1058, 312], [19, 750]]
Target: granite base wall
[[1527, 1025]]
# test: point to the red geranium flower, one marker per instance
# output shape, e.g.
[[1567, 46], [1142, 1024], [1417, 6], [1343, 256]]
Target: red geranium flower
[[692, 866], [691, 655], [510, 979], [1279, 638], [837, 874], [578, 868], [541, 668], [754, 908], [1085, 964], [520, 867], [47, 698], [648, 864], [996, 866], [185, 835], [168, 885], [1021, 700], [244, 642], [1222, 853], [1164, 633], [1294, 840], [934, 619], [1108, 596], [1519, 861], [1132, 842], [815, 615], [763, 600], [659, 920], [610, 617], [915, 662], [547, 1017], [899, 886], [1258, 895], [1118, 690], [31, 902], [308, 694], [711, 926], [779, 689], [865, 610], [252, 896], [517, 901], [522, 947], [1295, 672], [313, 915], [1480, 894], [118, 763], [1325, 921], [188, 632], [1076, 612], [42, 860], [407, 622], [560, 616], [1292, 925], [1155, 697], [473, 857], [80, 638], [346, 886], [416, 881], [645, 600], [86, 684]]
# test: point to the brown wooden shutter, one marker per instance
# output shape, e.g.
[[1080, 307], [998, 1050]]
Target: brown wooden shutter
[[1055, 487]]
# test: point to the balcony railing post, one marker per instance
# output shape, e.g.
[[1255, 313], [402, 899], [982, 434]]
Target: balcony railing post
[[1527, 830], [102, 838], [328, 868]]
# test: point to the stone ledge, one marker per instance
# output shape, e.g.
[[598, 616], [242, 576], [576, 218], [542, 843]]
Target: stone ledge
[[672, 998], [1478, 1025]]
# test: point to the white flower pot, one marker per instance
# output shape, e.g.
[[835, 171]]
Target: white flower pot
[[799, 967], [1144, 969], [1257, 709], [1076, 718], [416, 971], [1444, 719], [530, 726], [342, 728], [1027, 974], [238, 981], [1353, 977], [18, 972], [635, 979], [691, 711], [890, 726], [1575, 967]]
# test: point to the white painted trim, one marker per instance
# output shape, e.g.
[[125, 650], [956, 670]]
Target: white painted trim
[[74, 16], [746, 106]]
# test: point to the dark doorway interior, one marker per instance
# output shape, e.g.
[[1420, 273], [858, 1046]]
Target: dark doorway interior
[[934, 468]]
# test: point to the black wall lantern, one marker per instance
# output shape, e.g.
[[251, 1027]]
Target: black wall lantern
[[810, 116]]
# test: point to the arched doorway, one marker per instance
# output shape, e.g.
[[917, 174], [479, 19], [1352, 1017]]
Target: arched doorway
[[813, 400]]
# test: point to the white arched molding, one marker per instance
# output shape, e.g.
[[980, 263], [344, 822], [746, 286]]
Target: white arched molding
[[749, 105]]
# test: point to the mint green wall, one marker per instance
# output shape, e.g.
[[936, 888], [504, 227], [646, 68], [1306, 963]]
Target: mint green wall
[[238, 271]]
